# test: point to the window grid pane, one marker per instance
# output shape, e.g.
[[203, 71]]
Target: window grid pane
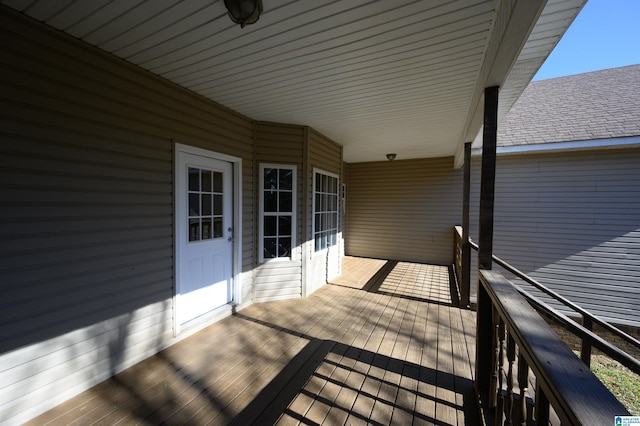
[[325, 211], [278, 206], [205, 204]]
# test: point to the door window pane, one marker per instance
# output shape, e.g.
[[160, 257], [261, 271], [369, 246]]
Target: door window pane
[[194, 204], [217, 205], [194, 229], [217, 227], [205, 181], [205, 204], [194, 179], [206, 229], [217, 182]]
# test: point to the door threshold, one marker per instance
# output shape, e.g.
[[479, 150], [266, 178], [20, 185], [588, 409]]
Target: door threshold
[[206, 319]]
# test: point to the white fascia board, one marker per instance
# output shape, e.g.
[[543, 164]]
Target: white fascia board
[[628, 142]]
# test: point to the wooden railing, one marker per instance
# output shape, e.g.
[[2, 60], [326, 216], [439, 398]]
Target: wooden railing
[[457, 257], [525, 373], [462, 263], [521, 340], [583, 331]]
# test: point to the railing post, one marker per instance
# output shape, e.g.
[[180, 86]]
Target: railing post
[[488, 178], [585, 350], [484, 346], [465, 285], [485, 238]]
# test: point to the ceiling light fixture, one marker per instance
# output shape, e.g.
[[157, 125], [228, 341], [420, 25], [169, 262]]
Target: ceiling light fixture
[[391, 157], [244, 12]]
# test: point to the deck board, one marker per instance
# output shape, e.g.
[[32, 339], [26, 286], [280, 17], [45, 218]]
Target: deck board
[[382, 344]]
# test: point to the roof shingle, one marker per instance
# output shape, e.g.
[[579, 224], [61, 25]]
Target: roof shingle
[[596, 105]]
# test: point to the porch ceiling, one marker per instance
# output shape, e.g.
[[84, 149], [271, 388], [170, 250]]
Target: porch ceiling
[[400, 76]]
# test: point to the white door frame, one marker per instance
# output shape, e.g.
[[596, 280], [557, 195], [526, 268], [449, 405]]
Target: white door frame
[[236, 162]]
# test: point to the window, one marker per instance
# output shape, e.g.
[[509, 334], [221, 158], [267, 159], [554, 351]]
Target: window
[[205, 204], [325, 210], [277, 211]]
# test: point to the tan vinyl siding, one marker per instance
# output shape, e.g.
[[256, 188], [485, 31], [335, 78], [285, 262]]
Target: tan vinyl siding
[[87, 214], [280, 144], [572, 221], [324, 155], [404, 209]]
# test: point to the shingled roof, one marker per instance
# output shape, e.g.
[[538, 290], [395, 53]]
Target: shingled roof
[[583, 107]]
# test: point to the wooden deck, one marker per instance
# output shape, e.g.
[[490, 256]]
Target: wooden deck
[[381, 345]]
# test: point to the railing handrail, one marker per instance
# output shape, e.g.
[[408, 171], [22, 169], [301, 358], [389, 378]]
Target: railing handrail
[[607, 348], [576, 395], [595, 319]]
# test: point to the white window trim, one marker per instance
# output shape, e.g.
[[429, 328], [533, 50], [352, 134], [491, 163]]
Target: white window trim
[[313, 212], [294, 217]]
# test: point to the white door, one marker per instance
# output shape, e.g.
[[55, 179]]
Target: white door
[[204, 233]]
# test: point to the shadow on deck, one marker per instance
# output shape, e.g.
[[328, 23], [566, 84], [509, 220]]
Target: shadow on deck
[[383, 344]]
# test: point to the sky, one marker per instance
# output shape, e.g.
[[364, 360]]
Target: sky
[[606, 34]]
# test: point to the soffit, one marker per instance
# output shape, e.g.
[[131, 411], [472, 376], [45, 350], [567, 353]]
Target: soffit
[[553, 22], [374, 76]]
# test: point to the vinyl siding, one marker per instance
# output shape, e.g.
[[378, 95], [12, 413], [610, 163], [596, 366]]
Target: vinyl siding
[[280, 144], [86, 219], [404, 209], [572, 221], [325, 155]]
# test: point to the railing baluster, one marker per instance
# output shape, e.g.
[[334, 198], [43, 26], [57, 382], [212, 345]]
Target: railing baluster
[[495, 358], [511, 358], [499, 371], [585, 350], [523, 384], [542, 407]]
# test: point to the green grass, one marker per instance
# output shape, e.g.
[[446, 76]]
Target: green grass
[[622, 382]]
